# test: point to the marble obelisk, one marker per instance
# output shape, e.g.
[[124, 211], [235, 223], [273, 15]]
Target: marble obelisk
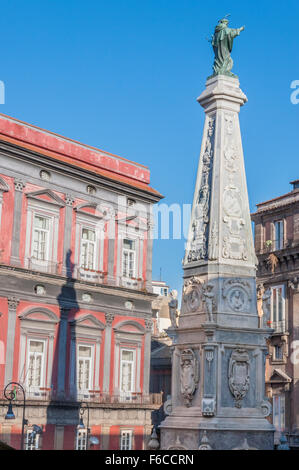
[[218, 364]]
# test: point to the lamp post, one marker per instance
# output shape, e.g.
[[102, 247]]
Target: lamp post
[[11, 395]]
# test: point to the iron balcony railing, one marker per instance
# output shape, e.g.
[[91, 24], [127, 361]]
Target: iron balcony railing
[[270, 246]]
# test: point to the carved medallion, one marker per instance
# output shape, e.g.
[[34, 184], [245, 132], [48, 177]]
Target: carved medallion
[[238, 375], [237, 294]]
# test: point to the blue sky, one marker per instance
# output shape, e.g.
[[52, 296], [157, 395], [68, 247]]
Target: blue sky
[[124, 75]]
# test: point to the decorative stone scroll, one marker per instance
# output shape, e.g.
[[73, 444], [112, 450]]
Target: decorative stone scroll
[[201, 211], [189, 375], [238, 375]]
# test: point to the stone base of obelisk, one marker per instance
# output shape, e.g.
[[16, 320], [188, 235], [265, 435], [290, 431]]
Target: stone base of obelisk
[[220, 436]]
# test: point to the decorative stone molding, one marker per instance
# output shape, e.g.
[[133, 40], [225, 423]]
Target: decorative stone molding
[[167, 407], [148, 325], [244, 446], [266, 408], [293, 284], [19, 184], [208, 406], [69, 199], [205, 444], [39, 289], [13, 302], [3, 186], [192, 294], [189, 375], [177, 445], [238, 375], [109, 317]]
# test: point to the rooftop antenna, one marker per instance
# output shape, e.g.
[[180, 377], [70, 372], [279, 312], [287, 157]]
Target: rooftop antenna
[[160, 274]]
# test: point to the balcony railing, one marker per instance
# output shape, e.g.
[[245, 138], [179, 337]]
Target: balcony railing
[[275, 245], [130, 282], [91, 275], [44, 266], [84, 274], [91, 396]]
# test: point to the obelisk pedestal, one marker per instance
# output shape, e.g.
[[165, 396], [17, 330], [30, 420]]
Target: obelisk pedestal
[[218, 366]]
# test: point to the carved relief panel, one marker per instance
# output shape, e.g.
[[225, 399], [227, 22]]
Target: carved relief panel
[[239, 375], [237, 295], [233, 241], [192, 295], [189, 375], [198, 249]]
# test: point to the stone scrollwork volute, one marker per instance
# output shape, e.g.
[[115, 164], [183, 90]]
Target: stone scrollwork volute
[[266, 408], [189, 375], [239, 375]]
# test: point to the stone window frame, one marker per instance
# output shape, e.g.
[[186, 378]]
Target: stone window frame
[[37, 329], [280, 340], [89, 221], [130, 431], [128, 340], [3, 189], [273, 235], [125, 231], [50, 210], [279, 323], [85, 335], [279, 394]]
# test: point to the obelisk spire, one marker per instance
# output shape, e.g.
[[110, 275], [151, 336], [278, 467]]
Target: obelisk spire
[[218, 361]]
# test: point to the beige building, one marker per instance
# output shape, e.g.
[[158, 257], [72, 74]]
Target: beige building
[[160, 307], [277, 248]]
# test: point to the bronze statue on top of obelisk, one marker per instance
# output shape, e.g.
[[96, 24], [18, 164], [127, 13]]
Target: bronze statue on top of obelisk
[[222, 42]]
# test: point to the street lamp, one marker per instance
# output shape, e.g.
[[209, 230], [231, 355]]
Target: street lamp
[[11, 395]]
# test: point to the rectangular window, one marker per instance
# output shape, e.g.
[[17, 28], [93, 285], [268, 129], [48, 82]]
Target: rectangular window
[[40, 239], [32, 440], [278, 352], [126, 439], [279, 412], [279, 234], [88, 248], [278, 308], [127, 364], [129, 255], [84, 368], [35, 364], [81, 439]]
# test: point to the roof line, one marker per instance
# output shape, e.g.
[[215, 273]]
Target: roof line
[[73, 141]]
